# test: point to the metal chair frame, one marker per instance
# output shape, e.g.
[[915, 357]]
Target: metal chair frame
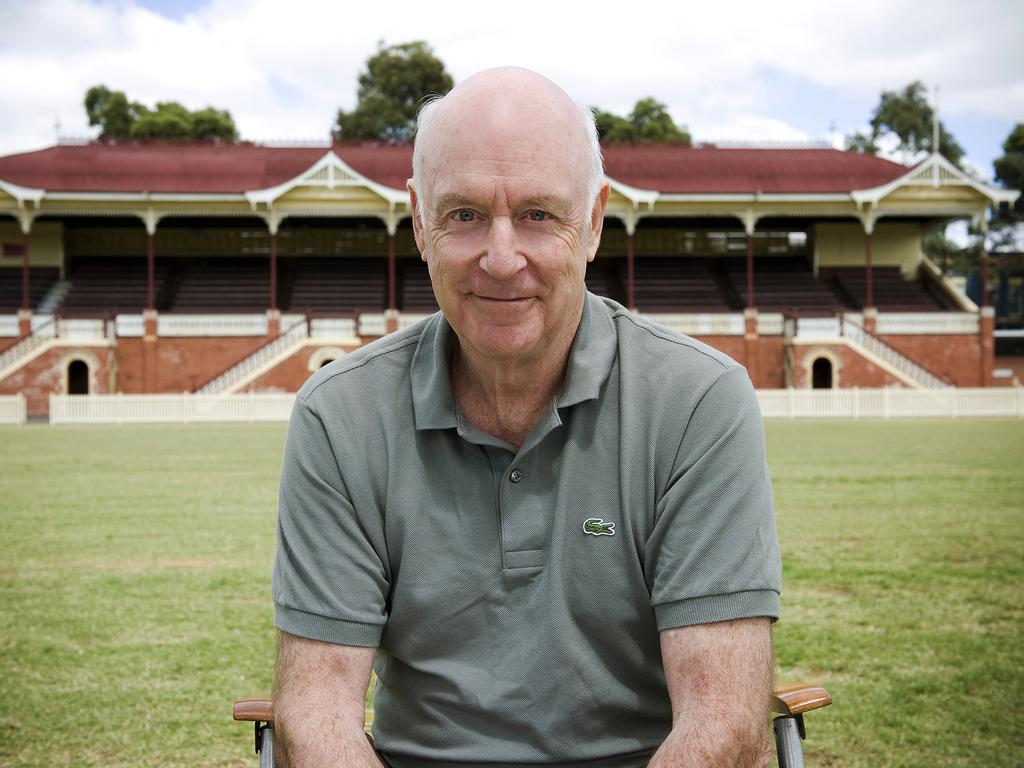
[[789, 703]]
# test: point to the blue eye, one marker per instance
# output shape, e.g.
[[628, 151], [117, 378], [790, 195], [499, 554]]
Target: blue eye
[[465, 215], [538, 215]]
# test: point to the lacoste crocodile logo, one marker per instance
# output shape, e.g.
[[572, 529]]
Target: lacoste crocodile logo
[[596, 526]]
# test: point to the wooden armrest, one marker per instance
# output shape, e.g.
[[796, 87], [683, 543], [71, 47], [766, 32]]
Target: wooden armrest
[[796, 699], [789, 700], [259, 709]]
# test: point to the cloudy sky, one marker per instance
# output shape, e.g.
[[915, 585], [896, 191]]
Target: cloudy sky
[[781, 71]]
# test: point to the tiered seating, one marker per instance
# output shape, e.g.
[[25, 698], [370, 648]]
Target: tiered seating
[[891, 292], [415, 291], [222, 285], [604, 277], [781, 283], [109, 286], [676, 284], [333, 286], [40, 279]]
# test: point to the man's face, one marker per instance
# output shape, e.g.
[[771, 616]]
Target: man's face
[[507, 234]]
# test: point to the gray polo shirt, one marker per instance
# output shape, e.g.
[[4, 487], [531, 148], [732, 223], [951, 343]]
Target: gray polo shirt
[[516, 596]]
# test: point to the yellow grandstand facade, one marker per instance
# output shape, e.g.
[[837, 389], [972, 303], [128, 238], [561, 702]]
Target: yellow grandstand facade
[[147, 268]]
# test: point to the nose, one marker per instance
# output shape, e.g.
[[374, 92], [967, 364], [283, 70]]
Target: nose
[[502, 259]]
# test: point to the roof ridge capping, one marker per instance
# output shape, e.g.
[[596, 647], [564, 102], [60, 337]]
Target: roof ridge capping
[[764, 144]]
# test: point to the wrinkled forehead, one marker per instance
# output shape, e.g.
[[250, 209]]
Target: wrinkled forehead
[[536, 147]]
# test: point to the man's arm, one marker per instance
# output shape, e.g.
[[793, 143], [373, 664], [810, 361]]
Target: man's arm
[[319, 694], [719, 679]]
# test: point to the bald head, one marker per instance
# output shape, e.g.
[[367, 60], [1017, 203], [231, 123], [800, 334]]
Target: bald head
[[507, 107]]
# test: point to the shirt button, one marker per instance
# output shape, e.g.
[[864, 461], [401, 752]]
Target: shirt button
[[516, 475]]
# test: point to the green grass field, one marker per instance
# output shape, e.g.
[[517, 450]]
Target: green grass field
[[136, 563]]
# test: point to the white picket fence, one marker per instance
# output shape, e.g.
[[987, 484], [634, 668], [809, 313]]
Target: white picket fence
[[12, 409], [775, 404], [891, 403], [185, 408]]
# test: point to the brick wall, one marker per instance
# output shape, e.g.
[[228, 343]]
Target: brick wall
[[45, 375], [182, 364], [956, 358], [1015, 364], [286, 377], [849, 368], [292, 373], [179, 364]]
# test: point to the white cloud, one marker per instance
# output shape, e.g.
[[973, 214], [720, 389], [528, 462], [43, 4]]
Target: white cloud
[[284, 69], [746, 127]]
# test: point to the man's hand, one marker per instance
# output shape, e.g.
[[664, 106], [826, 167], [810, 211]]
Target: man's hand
[[319, 694], [719, 679]]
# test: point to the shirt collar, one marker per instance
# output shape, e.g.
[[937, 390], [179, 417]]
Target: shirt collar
[[590, 361], [432, 397], [591, 355]]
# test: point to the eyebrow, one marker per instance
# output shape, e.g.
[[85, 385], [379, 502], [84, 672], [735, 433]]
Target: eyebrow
[[452, 200], [547, 203]]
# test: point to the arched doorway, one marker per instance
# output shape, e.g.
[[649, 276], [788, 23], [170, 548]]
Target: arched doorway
[[821, 373], [323, 356], [78, 378]]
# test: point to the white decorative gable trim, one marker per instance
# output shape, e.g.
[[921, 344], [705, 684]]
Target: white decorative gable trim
[[635, 195], [935, 172], [22, 194], [329, 172]]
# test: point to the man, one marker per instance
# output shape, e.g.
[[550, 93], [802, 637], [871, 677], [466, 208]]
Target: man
[[550, 521]]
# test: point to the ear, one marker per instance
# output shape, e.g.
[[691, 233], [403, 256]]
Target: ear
[[597, 221], [417, 223]]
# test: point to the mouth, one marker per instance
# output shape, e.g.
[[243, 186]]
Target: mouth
[[499, 300]]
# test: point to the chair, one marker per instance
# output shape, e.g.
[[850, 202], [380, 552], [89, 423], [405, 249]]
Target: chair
[[789, 703]]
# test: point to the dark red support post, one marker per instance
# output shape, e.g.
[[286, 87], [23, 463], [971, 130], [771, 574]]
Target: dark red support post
[[273, 270], [392, 280], [869, 287], [983, 269], [630, 298], [24, 272], [150, 272], [750, 271]]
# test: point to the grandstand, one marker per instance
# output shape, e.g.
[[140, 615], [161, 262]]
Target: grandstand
[[162, 267]]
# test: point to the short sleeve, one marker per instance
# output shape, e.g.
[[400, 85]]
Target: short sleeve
[[713, 554], [330, 580]]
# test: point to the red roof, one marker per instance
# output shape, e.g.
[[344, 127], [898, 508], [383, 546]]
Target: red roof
[[710, 170], [207, 168]]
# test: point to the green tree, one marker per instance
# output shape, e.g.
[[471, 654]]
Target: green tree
[[396, 80], [120, 119], [1010, 167], [611, 127], [941, 250], [649, 121], [213, 124], [111, 111], [1006, 221], [909, 117], [170, 120], [862, 143]]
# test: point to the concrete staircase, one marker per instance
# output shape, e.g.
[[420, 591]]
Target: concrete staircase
[[19, 355], [901, 366], [259, 362], [54, 297]]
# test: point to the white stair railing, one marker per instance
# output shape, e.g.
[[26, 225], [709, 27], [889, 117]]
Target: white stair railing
[[281, 346], [12, 358], [892, 357]]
